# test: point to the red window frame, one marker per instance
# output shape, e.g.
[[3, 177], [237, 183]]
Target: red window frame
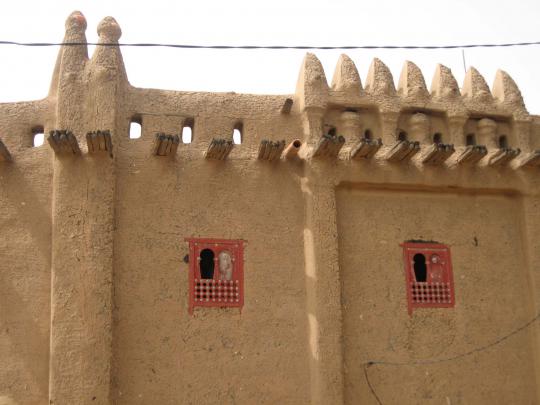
[[437, 291], [216, 292]]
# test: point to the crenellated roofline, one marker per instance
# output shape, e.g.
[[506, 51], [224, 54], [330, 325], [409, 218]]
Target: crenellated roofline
[[445, 125]]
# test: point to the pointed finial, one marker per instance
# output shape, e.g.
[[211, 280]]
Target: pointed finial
[[75, 33], [109, 57], [312, 88], [76, 22], [109, 31], [506, 91], [475, 86], [444, 85], [379, 80], [71, 58], [346, 78], [411, 82]]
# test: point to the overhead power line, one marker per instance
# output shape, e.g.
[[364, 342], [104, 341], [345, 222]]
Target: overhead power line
[[269, 47]]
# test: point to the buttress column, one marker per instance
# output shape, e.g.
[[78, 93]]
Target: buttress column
[[87, 94]]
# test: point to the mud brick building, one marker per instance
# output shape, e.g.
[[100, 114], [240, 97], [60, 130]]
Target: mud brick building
[[354, 240]]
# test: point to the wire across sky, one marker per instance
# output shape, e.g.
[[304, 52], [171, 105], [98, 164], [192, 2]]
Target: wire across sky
[[269, 47]]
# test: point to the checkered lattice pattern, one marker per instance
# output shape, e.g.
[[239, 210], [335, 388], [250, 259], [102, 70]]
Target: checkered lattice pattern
[[435, 293], [208, 290]]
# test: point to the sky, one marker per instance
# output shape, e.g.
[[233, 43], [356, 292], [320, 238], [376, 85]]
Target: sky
[[25, 73]]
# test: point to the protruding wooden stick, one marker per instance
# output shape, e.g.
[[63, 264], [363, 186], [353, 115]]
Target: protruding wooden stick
[[436, 154], [365, 148], [270, 150], [99, 141], [174, 145], [472, 154], [63, 142], [219, 149], [402, 151], [329, 146], [530, 160], [4, 153], [165, 145], [503, 156]]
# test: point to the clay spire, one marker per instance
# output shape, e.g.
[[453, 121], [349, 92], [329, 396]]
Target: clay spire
[[346, 78], [312, 87], [71, 58], [109, 56], [506, 91], [475, 86], [444, 85], [379, 79], [411, 82]]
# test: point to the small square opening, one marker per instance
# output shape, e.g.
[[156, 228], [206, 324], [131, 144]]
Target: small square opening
[[135, 127], [38, 136]]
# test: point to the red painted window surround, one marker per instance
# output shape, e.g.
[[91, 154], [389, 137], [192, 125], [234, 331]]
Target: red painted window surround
[[428, 274], [216, 273]]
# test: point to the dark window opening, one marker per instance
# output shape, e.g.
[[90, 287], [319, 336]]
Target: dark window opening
[[238, 133], [206, 264], [437, 138], [420, 269], [38, 136], [368, 134], [470, 140], [503, 142], [187, 131], [332, 131], [402, 136]]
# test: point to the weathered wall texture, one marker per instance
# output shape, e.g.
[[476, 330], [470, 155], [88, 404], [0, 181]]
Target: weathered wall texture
[[93, 283], [490, 278]]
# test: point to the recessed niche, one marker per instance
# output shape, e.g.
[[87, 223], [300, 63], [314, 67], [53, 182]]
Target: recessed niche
[[470, 140], [402, 136]]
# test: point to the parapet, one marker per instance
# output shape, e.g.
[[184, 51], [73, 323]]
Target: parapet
[[444, 126]]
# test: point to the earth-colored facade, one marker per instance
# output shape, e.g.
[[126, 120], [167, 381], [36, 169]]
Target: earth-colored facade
[[93, 283]]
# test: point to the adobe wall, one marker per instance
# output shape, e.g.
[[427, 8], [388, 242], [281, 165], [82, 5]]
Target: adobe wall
[[93, 282], [490, 278]]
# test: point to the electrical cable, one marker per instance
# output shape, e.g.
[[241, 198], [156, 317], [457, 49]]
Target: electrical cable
[[451, 358], [268, 47]]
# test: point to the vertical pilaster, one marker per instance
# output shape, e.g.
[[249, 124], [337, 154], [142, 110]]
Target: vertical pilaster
[[351, 126], [313, 124], [456, 125], [389, 122], [83, 226], [323, 291], [522, 134]]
